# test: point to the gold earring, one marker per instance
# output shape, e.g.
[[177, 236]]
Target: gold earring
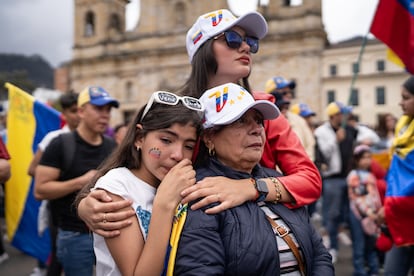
[[211, 152]]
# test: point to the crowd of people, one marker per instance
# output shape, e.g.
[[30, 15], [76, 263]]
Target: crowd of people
[[218, 179]]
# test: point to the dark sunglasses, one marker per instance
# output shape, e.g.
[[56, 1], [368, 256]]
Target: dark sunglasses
[[234, 41]]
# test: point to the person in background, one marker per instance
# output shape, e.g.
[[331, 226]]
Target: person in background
[[4, 176], [221, 53], [399, 197], [282, 90], [366, 135], [229, 243], [336, 142], [120, 131], [365, 203], [60, 182], [305, 112], [69, 105], [385, 129]]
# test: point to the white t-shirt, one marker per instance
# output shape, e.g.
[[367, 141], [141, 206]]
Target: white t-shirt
[[122, 182], [50, 136]]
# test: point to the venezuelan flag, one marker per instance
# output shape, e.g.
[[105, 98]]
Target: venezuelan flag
[[28, 121], [393, 24], [399, 197]]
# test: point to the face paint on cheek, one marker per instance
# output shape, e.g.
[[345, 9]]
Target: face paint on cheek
[[155, 152]]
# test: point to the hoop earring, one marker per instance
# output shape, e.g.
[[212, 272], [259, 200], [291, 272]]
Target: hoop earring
[[211, 152]]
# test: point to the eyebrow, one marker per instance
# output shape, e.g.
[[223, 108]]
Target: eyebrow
[[173, 133]]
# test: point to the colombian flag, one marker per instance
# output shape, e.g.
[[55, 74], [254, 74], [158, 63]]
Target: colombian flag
[[393, 24], [28, 122]]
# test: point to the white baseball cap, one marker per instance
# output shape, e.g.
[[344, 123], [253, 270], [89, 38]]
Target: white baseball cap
[[213, 23], [226, 103]]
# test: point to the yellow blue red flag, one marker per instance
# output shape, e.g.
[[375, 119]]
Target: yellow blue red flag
[[28, 121]]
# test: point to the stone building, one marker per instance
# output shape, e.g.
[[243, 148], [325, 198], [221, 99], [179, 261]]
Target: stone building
[[133, 64]]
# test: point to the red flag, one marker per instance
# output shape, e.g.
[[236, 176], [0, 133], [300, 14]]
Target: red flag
[[393, 24]]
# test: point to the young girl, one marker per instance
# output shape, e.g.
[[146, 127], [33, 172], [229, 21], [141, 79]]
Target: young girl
[[150, 167], [365, 203]]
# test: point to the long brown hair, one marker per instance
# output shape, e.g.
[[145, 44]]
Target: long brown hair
[[204, 64]]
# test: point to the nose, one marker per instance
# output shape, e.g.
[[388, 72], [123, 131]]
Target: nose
[[256, 128], [244, 46], [177, 153]]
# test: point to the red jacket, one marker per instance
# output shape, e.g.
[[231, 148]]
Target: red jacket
[[284, 150], [4, 154]]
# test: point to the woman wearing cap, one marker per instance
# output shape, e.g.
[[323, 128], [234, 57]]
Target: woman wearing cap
[[399, 198], [240, 240], [220, 48]]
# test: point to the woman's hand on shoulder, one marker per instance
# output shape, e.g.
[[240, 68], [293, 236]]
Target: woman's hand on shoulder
[[227, 192], [103, 216]]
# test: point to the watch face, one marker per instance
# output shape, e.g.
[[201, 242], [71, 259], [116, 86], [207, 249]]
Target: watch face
[[262, 186]]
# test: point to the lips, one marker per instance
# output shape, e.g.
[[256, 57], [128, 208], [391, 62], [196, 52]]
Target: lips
[[245, 59]]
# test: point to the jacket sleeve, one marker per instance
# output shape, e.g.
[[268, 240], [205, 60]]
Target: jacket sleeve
[[322, 260], [284, 150], [200, 249]]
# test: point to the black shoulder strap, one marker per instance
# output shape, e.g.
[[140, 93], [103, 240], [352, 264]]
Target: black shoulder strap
[[69, 146]]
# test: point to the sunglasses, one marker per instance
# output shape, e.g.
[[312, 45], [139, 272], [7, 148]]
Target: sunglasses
[[234, 41], [169, 98]]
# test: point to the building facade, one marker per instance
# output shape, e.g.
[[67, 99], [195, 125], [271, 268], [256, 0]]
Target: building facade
[[133, 64]]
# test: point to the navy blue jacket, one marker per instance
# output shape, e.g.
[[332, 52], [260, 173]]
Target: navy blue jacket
[[240, 240]]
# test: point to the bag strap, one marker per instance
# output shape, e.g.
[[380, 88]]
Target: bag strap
[[69, 148], [284, 234]]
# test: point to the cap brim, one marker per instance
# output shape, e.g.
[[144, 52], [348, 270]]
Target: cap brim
[[268, 110], [101, 102], [253, 23], [308, 113]]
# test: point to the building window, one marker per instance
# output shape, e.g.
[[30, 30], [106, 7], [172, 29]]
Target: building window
[[115, 23], [380, 91], [332, 70], [330, 95], [355, 68], [291, 3], [89, 24], [180, 12], [354, 97], [129, 115], [129, 91], [380, 65]]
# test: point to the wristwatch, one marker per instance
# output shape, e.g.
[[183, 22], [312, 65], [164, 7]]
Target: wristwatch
[[261, 188]]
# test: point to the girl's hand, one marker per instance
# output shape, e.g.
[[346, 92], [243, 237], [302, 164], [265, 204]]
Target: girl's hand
[[103, 216], [227, 192], [179, 177]]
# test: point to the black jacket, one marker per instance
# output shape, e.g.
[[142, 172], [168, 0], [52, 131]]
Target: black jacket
[[240, 241]]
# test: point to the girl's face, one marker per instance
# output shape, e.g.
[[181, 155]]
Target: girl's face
[[163, 149], [407, 102], [390, 122], [233, 64], [365, 161]]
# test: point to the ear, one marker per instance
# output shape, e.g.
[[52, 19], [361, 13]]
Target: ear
[[140, 138], [208, 141]]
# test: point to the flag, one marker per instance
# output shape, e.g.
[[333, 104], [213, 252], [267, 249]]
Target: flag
[[399, 197], [28, 121], [393, 24]]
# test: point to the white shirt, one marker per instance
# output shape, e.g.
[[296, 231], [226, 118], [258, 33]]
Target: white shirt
[[50, 136], [122, 182]]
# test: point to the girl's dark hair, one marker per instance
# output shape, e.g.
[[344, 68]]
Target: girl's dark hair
[[381, 127], [159, 116], [204, 65], [358, 156]]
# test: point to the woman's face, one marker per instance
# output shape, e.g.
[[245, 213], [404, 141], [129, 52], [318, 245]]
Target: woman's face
[[233, 64], [240, 144], [163, 149], [365, 161], [407, 102]]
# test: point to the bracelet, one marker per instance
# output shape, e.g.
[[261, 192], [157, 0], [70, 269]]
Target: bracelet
[[255, 187], [278, 194]]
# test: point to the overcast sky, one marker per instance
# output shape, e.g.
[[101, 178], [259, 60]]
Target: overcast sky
[[45, 27]]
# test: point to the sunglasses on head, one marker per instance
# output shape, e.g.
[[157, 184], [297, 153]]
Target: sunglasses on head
[[234, 41], [169, 98]]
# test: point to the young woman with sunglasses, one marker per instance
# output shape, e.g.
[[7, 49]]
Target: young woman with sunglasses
[[220, 48], [150, 167]]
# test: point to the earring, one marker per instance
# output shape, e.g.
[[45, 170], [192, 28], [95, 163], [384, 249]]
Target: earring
[[138, 149], [211, 152]]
